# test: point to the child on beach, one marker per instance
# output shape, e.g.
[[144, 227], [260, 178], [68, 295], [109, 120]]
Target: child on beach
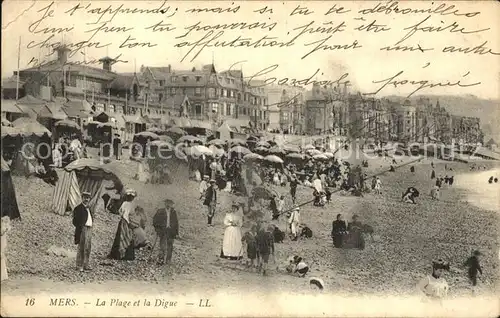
[[474, 268], [250, 239], [265, 247]]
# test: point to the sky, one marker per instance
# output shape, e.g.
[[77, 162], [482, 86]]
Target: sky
[[363, 60]]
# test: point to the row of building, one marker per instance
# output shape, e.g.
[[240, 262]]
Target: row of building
[[214, 97]]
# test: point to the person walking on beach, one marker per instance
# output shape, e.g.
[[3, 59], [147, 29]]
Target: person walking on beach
[[293, 223], [339, 229], [250, 239], [434, 286], [433, 174], [203, 186], [232, 247], [83, 219], [378, 186], [166, 225], [265, 244], [472, 263], [293, 187], [211, 201]]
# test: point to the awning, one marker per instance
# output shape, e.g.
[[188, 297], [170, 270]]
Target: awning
[[200, 124], [134, 119], [9, 106]]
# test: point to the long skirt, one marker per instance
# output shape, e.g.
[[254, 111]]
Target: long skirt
[[3, 264], [123, 245], [232, 248]]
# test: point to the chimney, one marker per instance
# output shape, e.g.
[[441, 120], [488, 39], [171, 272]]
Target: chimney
[[169, 68], [106, 63], [62, 53]]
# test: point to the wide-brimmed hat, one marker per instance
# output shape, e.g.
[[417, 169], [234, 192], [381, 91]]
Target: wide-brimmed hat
[[476, 253], [317, 282], [206, 177], [355, 216], [212, 181], [236, 205], [86, 194], [168, 202], [131, 192]]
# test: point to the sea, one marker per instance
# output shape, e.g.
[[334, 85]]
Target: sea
[[480, 193]]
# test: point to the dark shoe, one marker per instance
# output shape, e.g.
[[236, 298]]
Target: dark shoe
[[88, 268]]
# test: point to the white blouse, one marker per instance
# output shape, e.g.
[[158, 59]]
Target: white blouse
[[433, 287]]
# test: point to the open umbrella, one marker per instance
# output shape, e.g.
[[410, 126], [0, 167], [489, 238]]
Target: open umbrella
[[313, 152], [155, 130], [218, 152], [199, 150], [320, 157], [276, 150], [166, 139], [240, 150], [273, 158], [233, 142], [253, 156], [68, 123], [188, 138], [29, 127], [264, 144], [148, 135], [216, 142], [291, 148], [306, 147], [295, 156], [177, 130], [162, 143], [261, 150]]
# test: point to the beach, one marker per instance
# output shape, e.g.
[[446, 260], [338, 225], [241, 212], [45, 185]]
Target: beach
[[407, 239]]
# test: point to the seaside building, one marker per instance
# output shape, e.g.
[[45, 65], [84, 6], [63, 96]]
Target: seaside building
[[286, 108], [327, 111]]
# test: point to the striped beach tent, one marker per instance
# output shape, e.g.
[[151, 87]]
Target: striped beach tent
[[66, 193], [82, 175]]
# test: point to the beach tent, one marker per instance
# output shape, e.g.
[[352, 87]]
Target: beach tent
[[9, 201], [82, 175]]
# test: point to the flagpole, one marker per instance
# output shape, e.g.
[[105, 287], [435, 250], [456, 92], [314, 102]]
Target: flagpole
[[126, 102], [84, 76], [18, 58], [109, 99]]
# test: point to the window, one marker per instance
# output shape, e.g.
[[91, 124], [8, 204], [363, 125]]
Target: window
[[244, 110], [172, 91], [231, 93], [160, 97], [228, 109], [211, 92], [184, 78], [184, 90], [232, 81], [162, 82], [223, 92], [197, 91], [197, 109], [239, 97], [174, 79], [215, 107], [198, 78], [227, 80]]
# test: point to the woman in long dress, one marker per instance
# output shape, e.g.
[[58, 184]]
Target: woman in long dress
[[123, 245], [6, 227], [232, 247]]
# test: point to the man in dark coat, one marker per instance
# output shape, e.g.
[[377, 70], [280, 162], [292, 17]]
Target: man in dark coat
[[166, 225], [117, 146], [473, 268], [83, 220], [211, 201], [339, 229]]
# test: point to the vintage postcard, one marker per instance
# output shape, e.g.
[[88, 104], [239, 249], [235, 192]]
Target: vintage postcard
[[250, 158]]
